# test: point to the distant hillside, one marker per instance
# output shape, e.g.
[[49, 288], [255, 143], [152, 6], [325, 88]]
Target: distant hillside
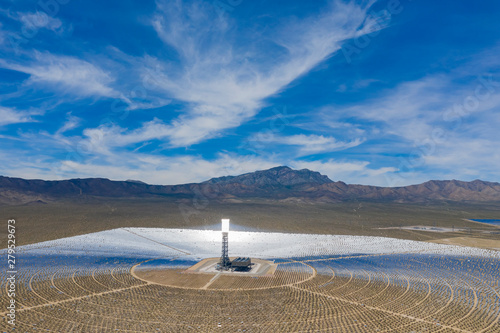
[[280, 183]]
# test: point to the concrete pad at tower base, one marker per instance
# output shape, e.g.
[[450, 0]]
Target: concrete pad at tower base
[[203, 274], [259, 267]]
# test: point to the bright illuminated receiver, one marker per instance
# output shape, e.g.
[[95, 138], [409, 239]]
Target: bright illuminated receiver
[[225, 225]]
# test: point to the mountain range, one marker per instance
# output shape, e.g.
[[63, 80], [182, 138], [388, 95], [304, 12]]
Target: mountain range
[[279, 183]]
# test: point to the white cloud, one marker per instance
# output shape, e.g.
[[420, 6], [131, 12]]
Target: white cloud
[[221, 80], [441, 124], [66, 74], [11, 116], [414, 109], [310, 144], [147, 168], [72, 122], [69, 75], [353, 172], [104, 138], [224, 81], [465, 158]]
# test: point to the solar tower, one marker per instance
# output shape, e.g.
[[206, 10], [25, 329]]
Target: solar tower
[[225, 263]]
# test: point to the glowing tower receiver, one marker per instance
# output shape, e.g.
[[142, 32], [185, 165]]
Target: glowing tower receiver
[[225, 225], [225, 263]]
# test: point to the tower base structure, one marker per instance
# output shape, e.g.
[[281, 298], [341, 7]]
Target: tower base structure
[[224, 263]]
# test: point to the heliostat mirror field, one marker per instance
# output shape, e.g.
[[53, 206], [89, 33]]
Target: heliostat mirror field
[[320, 283]]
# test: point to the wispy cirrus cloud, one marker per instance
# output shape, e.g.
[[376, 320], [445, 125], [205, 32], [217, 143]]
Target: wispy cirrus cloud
[[65, 74], [166, 170], [103, 139], [360, 172], [442, 121], [310, 144], [221, 81], [225, 82], [12, 116], [72, 122]]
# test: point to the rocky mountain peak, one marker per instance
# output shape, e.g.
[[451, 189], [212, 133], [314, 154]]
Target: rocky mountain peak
[[282, 175]]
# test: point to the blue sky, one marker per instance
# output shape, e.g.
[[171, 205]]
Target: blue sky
[[386, 93]]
